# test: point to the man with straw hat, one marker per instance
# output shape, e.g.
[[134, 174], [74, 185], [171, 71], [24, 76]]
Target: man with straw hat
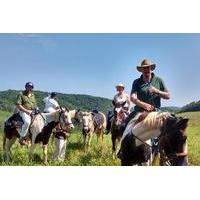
[[147, 92]]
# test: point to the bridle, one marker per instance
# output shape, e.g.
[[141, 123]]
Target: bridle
[[62, 116], [172, 156]]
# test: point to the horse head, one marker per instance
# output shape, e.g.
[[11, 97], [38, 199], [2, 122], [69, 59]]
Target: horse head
[[119, 114], [173, 135], [66, 119], [87, 120]]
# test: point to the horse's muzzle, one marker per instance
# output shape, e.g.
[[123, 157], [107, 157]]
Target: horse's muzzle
[[86, 129]]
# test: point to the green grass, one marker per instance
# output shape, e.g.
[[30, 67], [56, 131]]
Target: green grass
[[193, 133], [75, 156]]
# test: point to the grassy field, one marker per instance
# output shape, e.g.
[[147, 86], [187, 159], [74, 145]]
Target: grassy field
[[96, 156]]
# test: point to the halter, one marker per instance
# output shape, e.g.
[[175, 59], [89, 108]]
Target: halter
[[64, 119]]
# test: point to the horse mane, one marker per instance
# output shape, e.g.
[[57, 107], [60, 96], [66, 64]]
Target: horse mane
[[152, 120]]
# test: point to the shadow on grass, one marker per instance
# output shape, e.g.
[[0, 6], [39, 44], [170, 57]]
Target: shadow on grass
[[75, 146]]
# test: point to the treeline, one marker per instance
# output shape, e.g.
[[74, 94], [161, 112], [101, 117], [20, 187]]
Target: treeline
[[72, 101], [193, 106], [83, 102], [172, 109]]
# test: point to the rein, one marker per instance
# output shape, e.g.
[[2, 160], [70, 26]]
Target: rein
[[141, 140]]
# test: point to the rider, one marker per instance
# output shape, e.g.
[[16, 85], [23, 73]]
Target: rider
[[51, 103], [120, 98], [147, 91], [25, 104]]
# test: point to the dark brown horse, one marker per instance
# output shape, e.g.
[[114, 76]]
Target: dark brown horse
[[168, 128], [119, 117]]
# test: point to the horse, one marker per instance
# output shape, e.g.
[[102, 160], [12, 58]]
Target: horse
[[117, 120], [62, 137], [93, 123], [170, 130], [39, 132]]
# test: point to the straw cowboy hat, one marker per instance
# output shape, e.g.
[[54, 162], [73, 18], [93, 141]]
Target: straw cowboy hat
[[146, 63], [120, 85]]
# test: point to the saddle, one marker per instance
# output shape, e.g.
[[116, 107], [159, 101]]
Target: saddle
[[15, 121], [98, 120]]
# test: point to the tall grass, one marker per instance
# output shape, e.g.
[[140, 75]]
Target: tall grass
[[97, 156]]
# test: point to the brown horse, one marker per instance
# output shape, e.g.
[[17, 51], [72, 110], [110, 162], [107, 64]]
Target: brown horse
[[119, 117]]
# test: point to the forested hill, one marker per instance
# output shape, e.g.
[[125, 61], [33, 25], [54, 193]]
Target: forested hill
[[84, 102], [72, 101], [191, 107]]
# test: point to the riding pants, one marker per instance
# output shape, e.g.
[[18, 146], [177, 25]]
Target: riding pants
[[27, 122]]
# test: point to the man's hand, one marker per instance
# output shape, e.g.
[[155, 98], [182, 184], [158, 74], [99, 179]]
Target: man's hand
[[148, 107], [153, 90]]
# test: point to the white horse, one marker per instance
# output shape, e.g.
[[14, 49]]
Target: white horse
[[147, 126], [91, 126], [39, 131]]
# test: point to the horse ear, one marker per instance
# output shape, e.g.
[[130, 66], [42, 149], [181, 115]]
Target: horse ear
[[113, 103], [67, 109], [183, 123], [78, 110], [92, 113]]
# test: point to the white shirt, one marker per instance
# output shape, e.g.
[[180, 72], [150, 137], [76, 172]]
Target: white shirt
[[50, 105], [120, 99]]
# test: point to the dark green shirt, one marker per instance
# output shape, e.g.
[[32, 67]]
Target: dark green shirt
[[141, 89], [27, 102]]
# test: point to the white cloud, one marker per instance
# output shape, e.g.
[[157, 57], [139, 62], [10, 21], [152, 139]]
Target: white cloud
[[36, 38]]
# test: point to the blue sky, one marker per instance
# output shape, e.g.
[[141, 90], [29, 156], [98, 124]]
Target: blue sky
[[94, 63]]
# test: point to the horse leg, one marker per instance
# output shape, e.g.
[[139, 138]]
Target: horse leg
[[98, 136], [8, 144], [32, 147], [85, 142], [102, 134], [113, 146], [89, 141], [102, 137], [45, 151]]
